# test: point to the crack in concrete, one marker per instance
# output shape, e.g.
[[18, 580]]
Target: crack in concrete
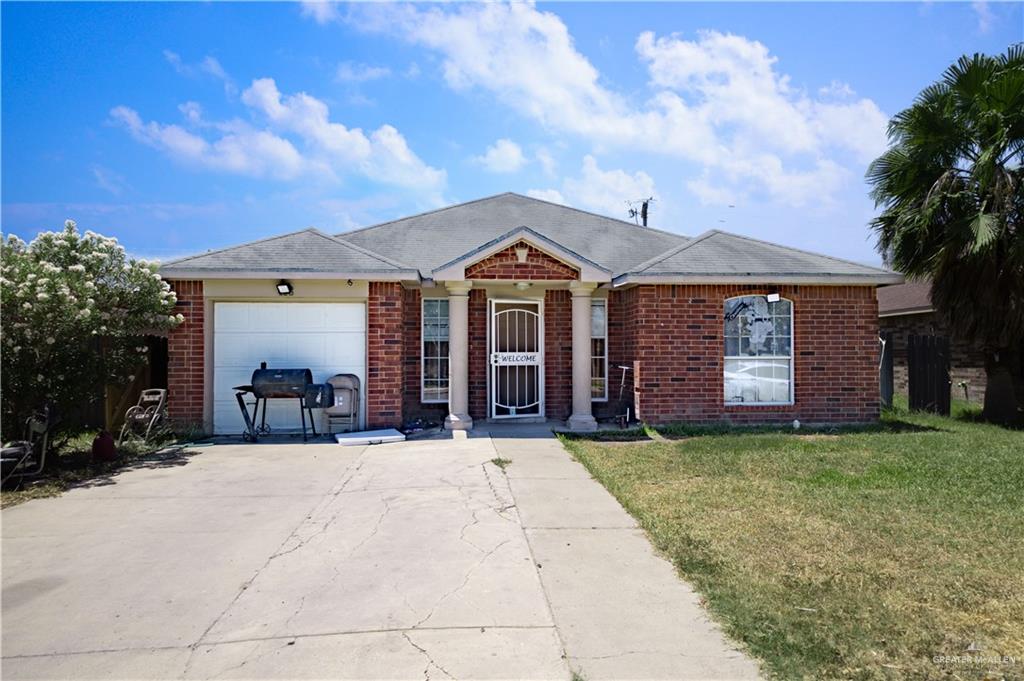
[[347, 475], [465, 581], [430, 660]]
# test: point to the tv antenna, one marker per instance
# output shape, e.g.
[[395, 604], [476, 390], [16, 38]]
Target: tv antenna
[[638, 209]]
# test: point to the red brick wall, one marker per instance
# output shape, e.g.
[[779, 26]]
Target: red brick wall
[[384, 354], [185, 356], [505, 265], [675, 336], [558, 354], [478, 354]]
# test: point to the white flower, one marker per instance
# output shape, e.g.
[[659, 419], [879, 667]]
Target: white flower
[[27, 306], [31, 276], [70, 224], [16, 348], [90, 285], [179, 318], [84, 312], [42, 296], [50, 340], [39, 377], [77, 268], [156, 276]]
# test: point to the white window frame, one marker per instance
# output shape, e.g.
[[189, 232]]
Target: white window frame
[[791, 357], [600, 302], [423, 354]]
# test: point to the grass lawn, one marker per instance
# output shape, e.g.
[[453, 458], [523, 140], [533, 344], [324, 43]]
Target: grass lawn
[[860, 554]]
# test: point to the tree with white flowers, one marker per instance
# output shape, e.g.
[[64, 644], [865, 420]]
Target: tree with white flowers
[[73, 310]]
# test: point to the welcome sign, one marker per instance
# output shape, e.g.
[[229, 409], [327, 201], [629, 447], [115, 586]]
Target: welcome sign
[[521, 359]]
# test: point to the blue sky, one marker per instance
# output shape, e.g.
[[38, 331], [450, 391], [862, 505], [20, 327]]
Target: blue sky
[[182, 127]]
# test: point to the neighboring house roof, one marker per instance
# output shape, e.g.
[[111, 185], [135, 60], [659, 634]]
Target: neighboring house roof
[[433, 239], [437, 243], [305, 254], [913, 297], [717, 256]]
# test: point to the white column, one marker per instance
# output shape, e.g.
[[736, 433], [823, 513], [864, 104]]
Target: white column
[[582, 416], [458, 357]]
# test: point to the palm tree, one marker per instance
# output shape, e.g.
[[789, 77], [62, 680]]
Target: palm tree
[[951, 193]]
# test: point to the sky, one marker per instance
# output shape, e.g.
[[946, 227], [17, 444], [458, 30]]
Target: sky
[[183, 127]]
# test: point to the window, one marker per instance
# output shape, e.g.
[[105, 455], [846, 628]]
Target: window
[[758, 351], [435, 350], [598, 350]]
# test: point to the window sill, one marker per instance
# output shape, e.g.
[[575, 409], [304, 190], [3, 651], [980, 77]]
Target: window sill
[[741, 405]]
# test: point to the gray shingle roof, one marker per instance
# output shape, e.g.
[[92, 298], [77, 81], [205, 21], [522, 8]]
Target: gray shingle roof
[[432, 239], [418, 245], [720, 254], [307, 251]]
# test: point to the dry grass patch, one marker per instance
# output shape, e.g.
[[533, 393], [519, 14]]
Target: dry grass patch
[[867, 554]]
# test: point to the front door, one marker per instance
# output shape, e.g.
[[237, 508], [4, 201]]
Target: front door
[[516, 359]]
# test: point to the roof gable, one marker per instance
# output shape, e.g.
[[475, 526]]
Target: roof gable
[[585, 269], [306, 252], [433, 239], [720, 256]]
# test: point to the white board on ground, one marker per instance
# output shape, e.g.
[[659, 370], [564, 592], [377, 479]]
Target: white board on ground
[[369, 437]]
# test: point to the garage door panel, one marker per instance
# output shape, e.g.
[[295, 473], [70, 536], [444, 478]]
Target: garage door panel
[[345, 348], [306, 349], [231, 317], [231, 349], [308, 317], [227, 378], [346, 318], [327, 338]]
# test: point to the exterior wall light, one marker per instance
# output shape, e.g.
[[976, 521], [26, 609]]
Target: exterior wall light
[[523, 285], [284, 288]]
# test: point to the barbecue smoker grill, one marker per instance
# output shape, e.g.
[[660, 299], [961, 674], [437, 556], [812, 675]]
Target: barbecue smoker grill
[[281, 384]]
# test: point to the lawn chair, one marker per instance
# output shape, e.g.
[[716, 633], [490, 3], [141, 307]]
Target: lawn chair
[[27, 458], [140, 420]]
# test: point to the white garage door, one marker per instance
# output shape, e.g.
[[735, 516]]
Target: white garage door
[[326, 338]]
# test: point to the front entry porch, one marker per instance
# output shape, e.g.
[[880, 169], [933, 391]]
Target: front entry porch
[[520, 354]]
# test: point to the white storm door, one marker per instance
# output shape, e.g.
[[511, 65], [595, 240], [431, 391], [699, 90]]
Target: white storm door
[[326, 338], [516, 359]]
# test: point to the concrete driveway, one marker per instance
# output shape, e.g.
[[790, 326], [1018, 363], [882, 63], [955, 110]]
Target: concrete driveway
[[413, 560]]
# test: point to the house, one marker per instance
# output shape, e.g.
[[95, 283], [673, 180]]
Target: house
[[510, 307], [907, 309]]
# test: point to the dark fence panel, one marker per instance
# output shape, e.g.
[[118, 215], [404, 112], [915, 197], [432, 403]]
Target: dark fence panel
[[885, 370], [928, 373]]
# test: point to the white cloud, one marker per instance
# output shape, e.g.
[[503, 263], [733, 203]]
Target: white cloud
[[108, 180], [607, 191], [321, 11], [504, 156], [211, 66], [603, 191], [244, 150], [984, 15], [208, 66], [718, 101], [552, 195], [329, 149], [352, 72], [547, 161]]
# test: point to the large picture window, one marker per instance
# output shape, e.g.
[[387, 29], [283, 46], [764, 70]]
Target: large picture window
[[758, 351], [435, 350], [598, 350]]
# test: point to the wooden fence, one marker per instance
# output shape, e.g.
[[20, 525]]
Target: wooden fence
[[928, 373]]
